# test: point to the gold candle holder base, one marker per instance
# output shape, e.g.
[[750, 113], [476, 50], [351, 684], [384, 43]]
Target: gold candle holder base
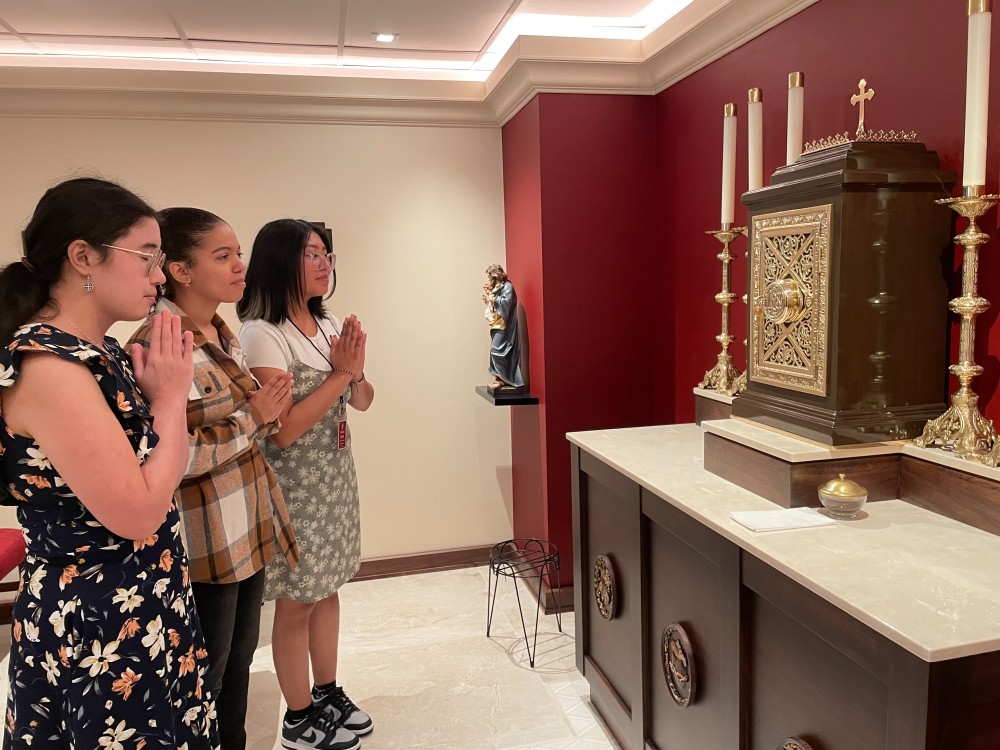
[[740, 384], [723, 377], [962, 427]]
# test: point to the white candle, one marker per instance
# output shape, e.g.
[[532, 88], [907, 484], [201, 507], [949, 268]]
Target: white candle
[[796, 99], [977, 92], [728, 163], [755, 135]]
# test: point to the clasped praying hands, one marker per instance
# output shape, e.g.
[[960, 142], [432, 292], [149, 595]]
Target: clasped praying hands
[[347, 351]]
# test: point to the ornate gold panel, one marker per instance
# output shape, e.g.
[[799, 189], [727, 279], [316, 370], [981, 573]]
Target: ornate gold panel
[[794, 743], [678, 665], [605, 587], [790, 289]]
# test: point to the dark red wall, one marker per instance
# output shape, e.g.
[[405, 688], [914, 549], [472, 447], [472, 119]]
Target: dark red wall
[[911, 52], [522, 193], [608, 199], [579, 192]]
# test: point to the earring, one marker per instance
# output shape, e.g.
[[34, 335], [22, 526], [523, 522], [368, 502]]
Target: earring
[[187, 286], [88, 284]]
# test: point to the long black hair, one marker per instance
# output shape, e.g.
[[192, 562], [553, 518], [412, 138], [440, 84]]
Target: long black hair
[[86, 208], [181, 230], [274, 273]]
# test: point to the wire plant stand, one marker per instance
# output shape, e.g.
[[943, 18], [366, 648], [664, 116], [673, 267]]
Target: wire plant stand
[[527, 559]]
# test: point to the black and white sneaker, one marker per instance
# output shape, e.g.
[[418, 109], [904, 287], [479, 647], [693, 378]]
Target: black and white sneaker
[[318, 731], [343, 710]]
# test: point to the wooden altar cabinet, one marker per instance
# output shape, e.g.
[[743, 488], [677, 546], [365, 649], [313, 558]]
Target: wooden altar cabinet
[[876, 634]]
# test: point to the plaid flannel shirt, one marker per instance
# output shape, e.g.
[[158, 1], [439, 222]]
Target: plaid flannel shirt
[[233, 515]]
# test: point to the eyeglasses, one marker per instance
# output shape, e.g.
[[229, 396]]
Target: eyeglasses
[[153, 259], [317, 260]]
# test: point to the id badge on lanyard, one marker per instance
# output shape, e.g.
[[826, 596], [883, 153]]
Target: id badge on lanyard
[[342, 427]]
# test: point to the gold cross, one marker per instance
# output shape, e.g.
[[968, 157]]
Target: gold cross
[[860, 98]]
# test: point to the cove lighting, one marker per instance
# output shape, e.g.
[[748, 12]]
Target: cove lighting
[[170, 54]]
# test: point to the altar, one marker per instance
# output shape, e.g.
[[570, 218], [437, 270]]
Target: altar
[[881, 633]]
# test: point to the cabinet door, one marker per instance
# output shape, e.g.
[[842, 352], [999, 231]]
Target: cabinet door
[[692, 581], [814, 671], [606, 513]]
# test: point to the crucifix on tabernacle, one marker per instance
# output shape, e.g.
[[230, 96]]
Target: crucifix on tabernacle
[[860, 98]]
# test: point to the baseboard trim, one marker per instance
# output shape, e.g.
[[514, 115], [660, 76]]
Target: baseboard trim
[[422, 562], [555, 600]]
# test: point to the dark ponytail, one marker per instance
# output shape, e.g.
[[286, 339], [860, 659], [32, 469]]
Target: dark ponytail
[[89, 209], [181, 231]]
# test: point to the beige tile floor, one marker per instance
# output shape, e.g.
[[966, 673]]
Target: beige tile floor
[[415, 655]]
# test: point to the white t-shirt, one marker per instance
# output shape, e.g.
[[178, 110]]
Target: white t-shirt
[[277, 346]]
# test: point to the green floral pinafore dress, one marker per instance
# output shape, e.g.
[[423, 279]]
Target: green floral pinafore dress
[[320, 486]]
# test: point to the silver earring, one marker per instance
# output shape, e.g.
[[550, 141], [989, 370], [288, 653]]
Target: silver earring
[[88, 284]]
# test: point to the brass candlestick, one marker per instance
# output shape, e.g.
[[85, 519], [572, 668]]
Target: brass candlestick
[[962, 427], [722, 378]]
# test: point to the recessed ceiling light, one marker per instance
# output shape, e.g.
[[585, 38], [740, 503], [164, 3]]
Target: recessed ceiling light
[[381, 36]]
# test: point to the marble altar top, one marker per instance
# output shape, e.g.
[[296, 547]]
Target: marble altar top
[[924, 581]]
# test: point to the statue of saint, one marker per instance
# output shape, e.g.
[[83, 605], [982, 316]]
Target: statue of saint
[[501, 315]]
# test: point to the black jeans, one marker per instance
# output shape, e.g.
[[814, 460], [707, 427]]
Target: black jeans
[[230, 620]]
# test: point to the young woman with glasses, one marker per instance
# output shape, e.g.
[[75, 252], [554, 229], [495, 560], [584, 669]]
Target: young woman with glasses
[[107, 648], [234, 516], [287, 330]]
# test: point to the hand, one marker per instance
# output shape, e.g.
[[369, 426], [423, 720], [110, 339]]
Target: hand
[[272, 399], [364, 348], [347, 351], [165, 371]]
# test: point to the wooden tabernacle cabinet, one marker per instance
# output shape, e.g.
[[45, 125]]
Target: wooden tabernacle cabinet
[[769, 660], [847, 257]]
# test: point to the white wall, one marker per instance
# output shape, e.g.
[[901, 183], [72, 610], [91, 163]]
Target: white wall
[[417, 214]]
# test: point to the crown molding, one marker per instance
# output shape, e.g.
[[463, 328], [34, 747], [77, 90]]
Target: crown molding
[[697, 36], [535, 65], [210, 96], [700, 34]]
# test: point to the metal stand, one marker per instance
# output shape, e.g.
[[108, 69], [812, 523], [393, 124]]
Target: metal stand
[[526, 559]]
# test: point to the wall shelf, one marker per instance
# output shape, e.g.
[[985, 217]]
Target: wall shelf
[[503, 398]]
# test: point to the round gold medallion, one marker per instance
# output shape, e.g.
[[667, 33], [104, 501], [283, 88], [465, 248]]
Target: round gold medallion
[[784, 301], [605, 587], [678, 665]]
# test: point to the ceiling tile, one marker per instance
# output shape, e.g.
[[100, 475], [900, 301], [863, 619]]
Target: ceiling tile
[[311, 22], [449, 25], [88, 17]]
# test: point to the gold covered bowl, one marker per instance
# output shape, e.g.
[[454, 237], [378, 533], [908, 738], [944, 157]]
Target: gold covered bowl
[[842, 497]]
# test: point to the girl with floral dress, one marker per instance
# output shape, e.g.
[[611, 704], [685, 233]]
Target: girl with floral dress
[[107, 650]]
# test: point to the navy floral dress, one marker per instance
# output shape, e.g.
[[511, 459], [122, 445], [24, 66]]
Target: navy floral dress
[[107, 650]]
